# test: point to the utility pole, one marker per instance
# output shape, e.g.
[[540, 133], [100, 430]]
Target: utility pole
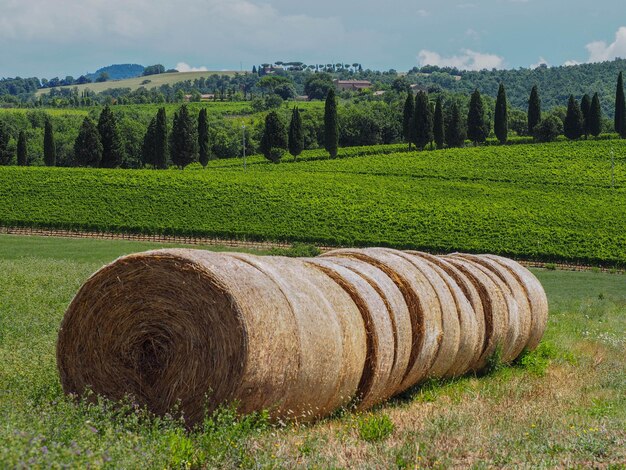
[[243, 139]]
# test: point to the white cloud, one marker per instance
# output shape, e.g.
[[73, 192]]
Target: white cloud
[[600, 51], [541, 61], [569, 63], [467, 60], [184, 67]]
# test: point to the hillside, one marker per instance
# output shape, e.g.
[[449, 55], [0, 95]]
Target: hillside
[[550, 202], [118, 71], [148, 82]]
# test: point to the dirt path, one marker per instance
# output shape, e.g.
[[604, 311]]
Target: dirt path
[[231, 243]]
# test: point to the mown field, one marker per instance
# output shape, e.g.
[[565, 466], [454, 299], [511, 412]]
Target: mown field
[[562, 406], [551, 202], [154, 81]]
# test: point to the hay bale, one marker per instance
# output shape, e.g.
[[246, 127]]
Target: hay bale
[[331, 334], [536, 298], [190, 327], [398, 314], [449, 345], [421, 300], [472, 330], [516, 289], [493, 305], [374, 385]]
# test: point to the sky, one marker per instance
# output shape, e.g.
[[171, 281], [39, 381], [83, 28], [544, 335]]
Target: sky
[[46, 38]]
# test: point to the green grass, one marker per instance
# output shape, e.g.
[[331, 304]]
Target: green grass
[[548, 202], [563, 405], [134, 83]]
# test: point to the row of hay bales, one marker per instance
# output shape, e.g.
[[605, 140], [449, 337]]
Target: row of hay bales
[[300, 337]]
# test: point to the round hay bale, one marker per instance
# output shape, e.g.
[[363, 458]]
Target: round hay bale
[[524, 313], [398, 314], [421, 300], [331, 334], [495, 308], [471, 331], [180, 327], [194, 330], [374, 384], [536, 297], [449, 345]]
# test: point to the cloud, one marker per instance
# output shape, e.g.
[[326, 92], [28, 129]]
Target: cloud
[[541, 61], [467, 60], [570, 63], [600, 51], [184, 67]]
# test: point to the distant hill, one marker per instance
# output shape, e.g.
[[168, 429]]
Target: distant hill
[[118, 71]]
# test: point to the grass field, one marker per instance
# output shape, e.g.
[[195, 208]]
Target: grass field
[[551, 202], [134, 83], [564, 405]]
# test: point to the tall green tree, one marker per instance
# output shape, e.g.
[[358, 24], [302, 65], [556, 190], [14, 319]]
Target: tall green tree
[[476, 125], [620, 107], [423, 121], [585, 108], [161, 140], [501, 116], [407, 118], [439, 129], [6, 155], [148, 149], [595, 116], [184, 139], [203, 137], [573, 124], [274, 140], [455, 132], [49, 148], [296, 134], [87, 146], [534, 110], [112, 145], [331, 124], [22, 149]]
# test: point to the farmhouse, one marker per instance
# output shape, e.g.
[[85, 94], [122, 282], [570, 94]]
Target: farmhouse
[[352, 84]]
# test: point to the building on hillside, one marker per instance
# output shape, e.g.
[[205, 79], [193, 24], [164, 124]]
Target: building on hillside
[[204, 97], [354, 85]]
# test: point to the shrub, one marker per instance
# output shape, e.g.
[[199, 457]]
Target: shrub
[[548, 129]]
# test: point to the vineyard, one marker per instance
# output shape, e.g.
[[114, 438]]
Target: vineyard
[[551, 202]]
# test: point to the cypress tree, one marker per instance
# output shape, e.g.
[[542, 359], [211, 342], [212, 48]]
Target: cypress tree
[[148, 149], [438, 124], [407, 119], [573, 124], [296, 135], [585, 108], [112, 147], [476, 128], [203, 137], [6, 155], [501, 118], [274, 140], [455, 133], [331, 125], [620, 107], [184, 140], [22, 149], [534, 110], [160, 140], [254, 69], [49, 149], [87, 146], [595, 116], [423, 121]]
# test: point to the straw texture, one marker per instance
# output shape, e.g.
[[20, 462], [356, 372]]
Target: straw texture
[[191, 330]]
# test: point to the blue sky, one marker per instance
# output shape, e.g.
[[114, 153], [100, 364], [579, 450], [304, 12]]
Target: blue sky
[[71, 37]]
